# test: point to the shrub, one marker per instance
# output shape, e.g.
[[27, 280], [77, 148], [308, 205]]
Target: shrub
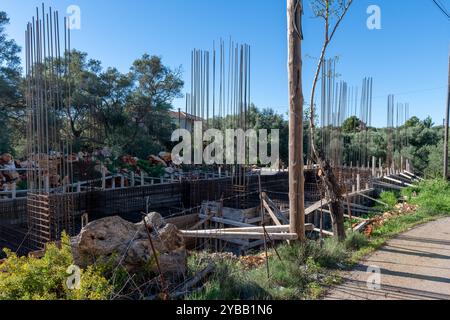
[[30, 278], [355, 241], [390, 198], [331, 253]]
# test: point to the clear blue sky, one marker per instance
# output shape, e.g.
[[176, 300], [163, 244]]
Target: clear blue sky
[[408, 57]]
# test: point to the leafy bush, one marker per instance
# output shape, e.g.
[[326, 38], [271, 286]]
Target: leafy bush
[[30, 278], [432, 196], [389, 197]]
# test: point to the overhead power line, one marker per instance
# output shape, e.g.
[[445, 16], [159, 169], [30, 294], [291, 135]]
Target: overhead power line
[[442, 8]]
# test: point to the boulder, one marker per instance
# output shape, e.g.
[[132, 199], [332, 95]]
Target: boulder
[[126, 243]]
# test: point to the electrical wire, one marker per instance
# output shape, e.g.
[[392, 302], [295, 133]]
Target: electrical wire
[[442, 8]]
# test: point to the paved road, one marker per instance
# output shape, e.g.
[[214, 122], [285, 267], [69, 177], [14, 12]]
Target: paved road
[[414, 266]]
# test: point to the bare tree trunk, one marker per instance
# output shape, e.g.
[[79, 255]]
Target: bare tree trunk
[[332, 188], [447, 116], [334, 193], [296, 165]]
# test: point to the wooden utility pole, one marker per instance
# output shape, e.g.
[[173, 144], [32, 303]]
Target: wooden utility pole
[[296, 165], [447, 116]]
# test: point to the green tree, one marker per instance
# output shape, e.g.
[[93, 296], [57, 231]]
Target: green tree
[[154, 88], [126, 112], [11, 99], [352, 125]]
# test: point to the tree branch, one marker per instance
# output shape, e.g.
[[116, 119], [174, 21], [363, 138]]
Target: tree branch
[[328, 38]]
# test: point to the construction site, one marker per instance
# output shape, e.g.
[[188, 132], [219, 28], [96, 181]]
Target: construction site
[[326, 189]]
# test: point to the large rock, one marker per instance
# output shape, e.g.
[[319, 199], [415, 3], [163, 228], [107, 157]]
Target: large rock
[[127, 244]]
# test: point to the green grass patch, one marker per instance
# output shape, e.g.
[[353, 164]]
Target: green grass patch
[[355, 241], [302, 273], [229, 282], [432, 197]]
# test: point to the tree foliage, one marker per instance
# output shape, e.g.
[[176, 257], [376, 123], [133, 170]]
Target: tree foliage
[[11, 99], [127, 113]]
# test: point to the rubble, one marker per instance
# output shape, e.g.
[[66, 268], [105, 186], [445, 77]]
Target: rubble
[[398, 210], [254, 261]]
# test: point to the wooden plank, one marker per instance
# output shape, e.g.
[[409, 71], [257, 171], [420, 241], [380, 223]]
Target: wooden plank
[[399, 182], [399, 177], [222, 234], [256, 220], [387, 185], [373, 199], [361, 226], [406, 176], [226, 221], [271, 213], [273, 210], [283, 228], [327, 233], [316, 206], [413, 175]]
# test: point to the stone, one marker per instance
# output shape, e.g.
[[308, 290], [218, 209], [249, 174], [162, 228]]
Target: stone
[[155, 220], [127, 244]]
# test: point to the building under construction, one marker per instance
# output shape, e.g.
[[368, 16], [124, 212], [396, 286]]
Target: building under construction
[[227, 207]]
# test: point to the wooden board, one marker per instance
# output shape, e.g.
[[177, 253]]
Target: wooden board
[[319, 204], [222, 234], [226, 221], [273, 210]]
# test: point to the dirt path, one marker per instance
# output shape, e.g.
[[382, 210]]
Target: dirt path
[[414, 266]]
